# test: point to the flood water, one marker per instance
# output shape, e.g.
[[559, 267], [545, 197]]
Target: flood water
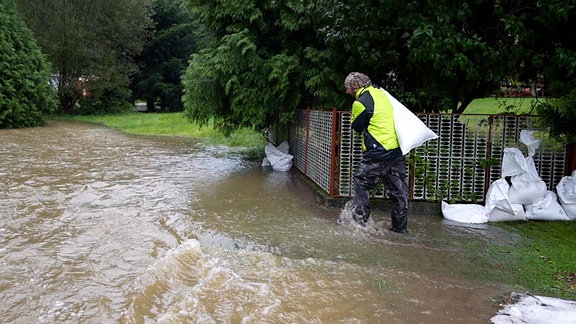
[[101, 227]]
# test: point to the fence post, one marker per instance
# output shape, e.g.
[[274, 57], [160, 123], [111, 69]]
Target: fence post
[[488, 167], [334, 150], [307, 141], [570, 159]]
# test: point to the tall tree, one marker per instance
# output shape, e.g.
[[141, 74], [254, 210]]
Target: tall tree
[[91, 45], [165, 57], [252, 65], [26, 94]]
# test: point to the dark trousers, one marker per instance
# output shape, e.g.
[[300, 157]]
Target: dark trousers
[[393, 175]]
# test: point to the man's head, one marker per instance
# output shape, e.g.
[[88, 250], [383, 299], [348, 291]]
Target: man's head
[[355, 81]]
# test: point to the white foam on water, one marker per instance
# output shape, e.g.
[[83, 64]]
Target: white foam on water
[[189, 283], [192, 283]]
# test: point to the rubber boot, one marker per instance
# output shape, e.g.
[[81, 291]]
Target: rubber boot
[[399, 223]]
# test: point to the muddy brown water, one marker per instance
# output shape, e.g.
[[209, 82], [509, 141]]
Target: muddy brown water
[[98, 226]]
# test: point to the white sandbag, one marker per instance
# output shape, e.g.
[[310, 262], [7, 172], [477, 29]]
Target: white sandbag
[[535, 309], [531, 168], [548, 208], [513, 162], [464, 213], [566, 190], [411, 131], [527, 138], [500, 215], [498, 207], [277, 159], [525, 190], [284, 147], [266, 162], [528, 211], [497, 196]]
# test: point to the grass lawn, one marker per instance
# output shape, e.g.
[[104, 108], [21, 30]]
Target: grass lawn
[[520, 105], [544, 263], [172, 124]]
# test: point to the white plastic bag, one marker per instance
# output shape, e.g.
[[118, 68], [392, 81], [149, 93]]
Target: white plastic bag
[[525, 190], [527, 138], [531, 169], [528, 308], [284, 147], [411, 131], [548, 208], [498, 207], [278, 157], [266, 162], [513, 162], [464, 213], [500, 215], [497, 196], [566, 190]]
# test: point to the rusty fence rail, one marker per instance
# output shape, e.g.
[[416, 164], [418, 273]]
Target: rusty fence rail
[[457, 166]]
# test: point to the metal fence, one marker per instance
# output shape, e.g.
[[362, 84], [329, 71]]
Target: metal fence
[[458, 166]]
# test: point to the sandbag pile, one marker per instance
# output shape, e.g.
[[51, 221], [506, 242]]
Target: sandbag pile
[[520, 194]]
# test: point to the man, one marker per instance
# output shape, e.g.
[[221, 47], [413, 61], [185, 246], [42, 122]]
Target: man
[[382, 159]]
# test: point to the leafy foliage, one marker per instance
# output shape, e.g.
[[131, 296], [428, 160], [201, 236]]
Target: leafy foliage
[[560, 116], [91, 45], [165, 57], [551, 50], [253, 68], [258, 61], [433, 56], [26, 95], [268, 58]]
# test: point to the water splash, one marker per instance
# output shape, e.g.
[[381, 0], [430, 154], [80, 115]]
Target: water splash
[[347, 218], [346, 214]]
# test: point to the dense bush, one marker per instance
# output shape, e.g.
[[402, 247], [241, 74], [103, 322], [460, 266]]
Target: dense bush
[[26, 94]]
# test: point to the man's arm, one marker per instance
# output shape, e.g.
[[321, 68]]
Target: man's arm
[[360, 117]]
